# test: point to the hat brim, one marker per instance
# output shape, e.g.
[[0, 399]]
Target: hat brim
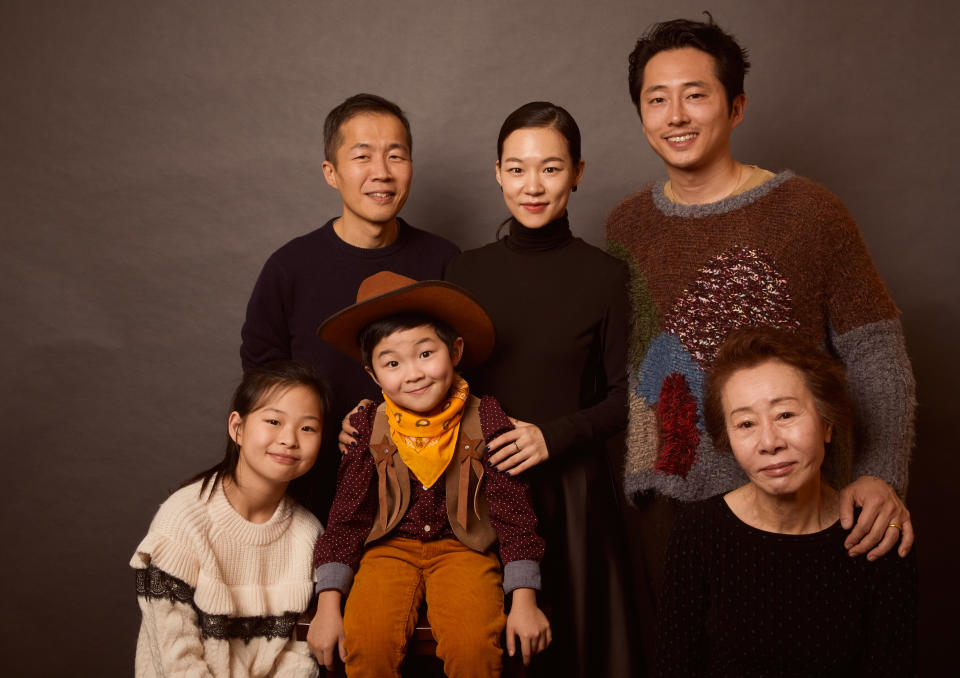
[[436, 298]]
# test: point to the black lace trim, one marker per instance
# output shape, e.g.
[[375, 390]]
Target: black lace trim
[[153, 582], [222, 627]]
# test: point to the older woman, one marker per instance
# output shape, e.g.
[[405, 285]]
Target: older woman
[[759, 582]]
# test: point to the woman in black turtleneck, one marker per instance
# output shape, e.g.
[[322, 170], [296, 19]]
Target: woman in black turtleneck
[[560, 307]]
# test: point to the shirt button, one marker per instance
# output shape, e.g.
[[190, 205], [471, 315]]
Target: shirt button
[[426, 528], [425, 487]]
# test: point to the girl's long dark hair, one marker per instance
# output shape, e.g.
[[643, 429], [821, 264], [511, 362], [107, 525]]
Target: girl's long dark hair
[[259, 384]]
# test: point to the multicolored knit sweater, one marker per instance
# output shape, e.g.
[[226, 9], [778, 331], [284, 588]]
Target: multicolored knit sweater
[[788, 254]]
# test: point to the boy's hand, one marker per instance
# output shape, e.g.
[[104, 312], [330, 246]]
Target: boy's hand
[[346, 439], [883, 521], [325, 635], [529, 623], [517, 450]]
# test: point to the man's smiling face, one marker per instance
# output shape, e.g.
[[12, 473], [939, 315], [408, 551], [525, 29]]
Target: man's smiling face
[[684, 109], [373, 169]]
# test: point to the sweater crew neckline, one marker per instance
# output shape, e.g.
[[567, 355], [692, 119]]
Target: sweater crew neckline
[[826, 534], [551, 236], [728, 204], [367, 252], [242, 530]]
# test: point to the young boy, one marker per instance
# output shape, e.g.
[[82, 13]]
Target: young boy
[[416, 512]]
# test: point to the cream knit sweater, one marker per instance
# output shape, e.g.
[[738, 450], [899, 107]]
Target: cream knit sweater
[[220, 595]]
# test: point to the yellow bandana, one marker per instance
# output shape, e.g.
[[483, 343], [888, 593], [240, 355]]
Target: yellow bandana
[[427, 442]]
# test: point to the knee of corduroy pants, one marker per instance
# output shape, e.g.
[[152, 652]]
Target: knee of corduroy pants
[[464, 591], [382, 608], [464, 596]]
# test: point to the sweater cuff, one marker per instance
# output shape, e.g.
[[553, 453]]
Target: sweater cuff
[[333, 576], [559, 435], [521, 574]]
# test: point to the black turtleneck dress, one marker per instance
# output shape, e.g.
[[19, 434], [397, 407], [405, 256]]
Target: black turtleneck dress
[[559, 307]]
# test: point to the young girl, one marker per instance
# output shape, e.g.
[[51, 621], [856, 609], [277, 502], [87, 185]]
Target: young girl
[[226, 567]]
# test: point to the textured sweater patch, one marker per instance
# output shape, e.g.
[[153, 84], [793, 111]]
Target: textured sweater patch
[[738, 288]]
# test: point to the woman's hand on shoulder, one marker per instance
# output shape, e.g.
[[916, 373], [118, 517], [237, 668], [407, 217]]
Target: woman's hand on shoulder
[[518, 450], [527, 622], [884, 519], [348, 434]]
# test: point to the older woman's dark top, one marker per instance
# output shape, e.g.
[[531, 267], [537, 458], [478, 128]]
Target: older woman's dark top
[[738, 601]]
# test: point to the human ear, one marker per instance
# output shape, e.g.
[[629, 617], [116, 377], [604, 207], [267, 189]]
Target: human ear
[[737, 110], [828, 434], [330, 173], [457, 354], [578, 175], [235, 426], [499, 180], [373, 375]]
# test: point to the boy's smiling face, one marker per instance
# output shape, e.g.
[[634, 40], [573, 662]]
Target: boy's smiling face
[[414, 368]]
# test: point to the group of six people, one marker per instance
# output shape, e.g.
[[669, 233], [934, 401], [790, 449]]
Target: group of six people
[[735, 329]]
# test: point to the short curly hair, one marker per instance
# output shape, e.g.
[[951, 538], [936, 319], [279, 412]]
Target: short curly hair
[[752, 346]]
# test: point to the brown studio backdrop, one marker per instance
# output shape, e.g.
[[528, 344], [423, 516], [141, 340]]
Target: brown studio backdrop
[[154, 154]]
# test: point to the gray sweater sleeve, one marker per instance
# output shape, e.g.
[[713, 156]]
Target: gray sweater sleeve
[[882, 385]]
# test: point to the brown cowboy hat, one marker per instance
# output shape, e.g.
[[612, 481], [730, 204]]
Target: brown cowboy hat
[[386, 293]]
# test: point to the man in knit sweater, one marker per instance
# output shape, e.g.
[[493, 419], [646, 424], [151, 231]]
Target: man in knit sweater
[[722, 245], [368, 146]]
